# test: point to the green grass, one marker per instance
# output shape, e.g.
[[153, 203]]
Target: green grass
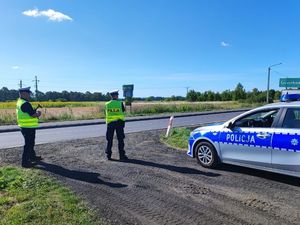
[[178, 138], [29, 197]]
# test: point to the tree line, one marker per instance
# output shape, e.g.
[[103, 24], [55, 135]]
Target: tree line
[[238, 94], [11, 95]]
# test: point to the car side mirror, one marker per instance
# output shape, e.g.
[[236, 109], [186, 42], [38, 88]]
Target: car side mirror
[[230, 125]]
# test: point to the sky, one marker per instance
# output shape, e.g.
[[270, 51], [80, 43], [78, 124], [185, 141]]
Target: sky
[[163, 47]]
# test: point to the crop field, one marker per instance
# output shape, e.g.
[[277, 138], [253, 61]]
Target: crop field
[[63, 111], [50, 104]]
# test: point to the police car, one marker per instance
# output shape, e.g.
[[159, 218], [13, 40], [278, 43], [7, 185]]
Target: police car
[[266, 138]]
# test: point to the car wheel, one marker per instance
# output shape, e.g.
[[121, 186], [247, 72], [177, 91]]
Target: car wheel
[[206, 155]]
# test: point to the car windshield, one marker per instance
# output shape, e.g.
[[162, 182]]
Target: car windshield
[[258, 119]]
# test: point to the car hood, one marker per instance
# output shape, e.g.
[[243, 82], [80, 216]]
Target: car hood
[[209, 127], [213, 126]]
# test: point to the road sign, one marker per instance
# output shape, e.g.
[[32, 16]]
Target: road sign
[[289, 82], [128, 94], [128, 90]]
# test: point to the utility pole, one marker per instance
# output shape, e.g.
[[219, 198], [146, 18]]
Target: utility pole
[[269, 73], [36, 86], [187, 90], [20, 84]]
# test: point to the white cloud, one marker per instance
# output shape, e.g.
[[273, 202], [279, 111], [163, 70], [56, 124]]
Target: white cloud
[[15, 67], [50, 14], [55, 16], [34, 13], [225, 44]]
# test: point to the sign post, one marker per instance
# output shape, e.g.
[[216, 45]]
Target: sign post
[[128, 94]]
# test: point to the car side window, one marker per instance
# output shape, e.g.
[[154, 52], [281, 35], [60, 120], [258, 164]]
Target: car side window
[[263, 118], [292, 118]]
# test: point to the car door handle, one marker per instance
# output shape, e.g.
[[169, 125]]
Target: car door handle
[[263, 135]]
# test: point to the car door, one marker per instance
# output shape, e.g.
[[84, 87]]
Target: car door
[[286, 141], [248, 139]]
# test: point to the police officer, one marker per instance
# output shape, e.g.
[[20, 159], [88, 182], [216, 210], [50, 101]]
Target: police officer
[[115, 120], [27, 118]]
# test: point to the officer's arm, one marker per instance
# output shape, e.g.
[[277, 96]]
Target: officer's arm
[[27, 108]]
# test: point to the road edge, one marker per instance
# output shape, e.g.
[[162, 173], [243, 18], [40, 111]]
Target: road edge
[[51, 125]]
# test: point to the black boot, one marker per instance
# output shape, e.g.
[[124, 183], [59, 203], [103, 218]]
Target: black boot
[[123, 158]]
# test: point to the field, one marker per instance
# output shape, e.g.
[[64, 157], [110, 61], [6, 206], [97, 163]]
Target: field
[[63, 111]]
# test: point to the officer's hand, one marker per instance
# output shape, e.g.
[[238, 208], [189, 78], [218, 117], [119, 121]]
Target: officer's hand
[[38, 113]]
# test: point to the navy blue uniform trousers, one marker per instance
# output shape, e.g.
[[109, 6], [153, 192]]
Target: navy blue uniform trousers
[[28, 151], [117, 126]]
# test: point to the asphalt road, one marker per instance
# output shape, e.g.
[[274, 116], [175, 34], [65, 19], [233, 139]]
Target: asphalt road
[[15, 139]]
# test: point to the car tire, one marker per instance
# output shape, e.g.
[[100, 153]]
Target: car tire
[[206, 155]]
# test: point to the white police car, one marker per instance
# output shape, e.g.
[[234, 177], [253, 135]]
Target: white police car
[[266, 138]]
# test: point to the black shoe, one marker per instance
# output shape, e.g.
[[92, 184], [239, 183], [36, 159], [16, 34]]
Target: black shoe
[[123, 158], [29, 165], [108, 157], [37, 159]]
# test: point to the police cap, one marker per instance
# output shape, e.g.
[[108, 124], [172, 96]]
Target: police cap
[[114, 92], [26, 89]]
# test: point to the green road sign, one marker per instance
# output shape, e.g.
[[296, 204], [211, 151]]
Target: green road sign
[[128, 90], [289, 82]]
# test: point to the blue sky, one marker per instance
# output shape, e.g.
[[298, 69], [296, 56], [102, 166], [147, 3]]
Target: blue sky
[[160, 46]]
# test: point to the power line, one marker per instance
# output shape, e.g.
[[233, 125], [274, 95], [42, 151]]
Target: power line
[[285, 74], [279, 73]]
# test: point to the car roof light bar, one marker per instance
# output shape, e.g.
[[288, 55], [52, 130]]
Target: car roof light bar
[[289, 96]]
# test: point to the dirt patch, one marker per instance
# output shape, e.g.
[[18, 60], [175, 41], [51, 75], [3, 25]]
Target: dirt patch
[[160, 185]]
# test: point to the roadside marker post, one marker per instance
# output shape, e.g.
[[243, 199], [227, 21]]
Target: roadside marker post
[[169, 126]]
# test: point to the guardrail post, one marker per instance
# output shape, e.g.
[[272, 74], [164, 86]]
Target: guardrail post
[[170, 124]]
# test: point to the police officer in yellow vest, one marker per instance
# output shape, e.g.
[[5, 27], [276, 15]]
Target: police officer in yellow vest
[[28, 121], [115, 120]]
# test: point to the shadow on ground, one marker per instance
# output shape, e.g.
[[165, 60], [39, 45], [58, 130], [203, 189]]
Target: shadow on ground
[[178, 169], [88, 177], [260, 173]]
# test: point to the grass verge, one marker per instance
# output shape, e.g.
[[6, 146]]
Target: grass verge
[[29, 197], [178, 138]]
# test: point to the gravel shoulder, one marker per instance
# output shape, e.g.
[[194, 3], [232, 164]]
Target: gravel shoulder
[[160, 185]]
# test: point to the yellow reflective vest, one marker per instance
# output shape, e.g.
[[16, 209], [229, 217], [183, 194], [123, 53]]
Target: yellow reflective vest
[[113, 111], [24, 119]]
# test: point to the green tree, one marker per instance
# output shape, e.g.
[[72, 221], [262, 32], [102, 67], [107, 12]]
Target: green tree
[[239, 92], [191, 96], [226, 95]]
